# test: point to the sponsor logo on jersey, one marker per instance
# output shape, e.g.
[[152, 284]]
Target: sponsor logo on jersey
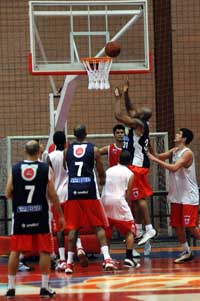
[[79, 150], [31, 208], [80, 180], [29, 171]]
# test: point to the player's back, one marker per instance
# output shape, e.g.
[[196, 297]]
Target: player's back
[[60, 174], [30, 205]]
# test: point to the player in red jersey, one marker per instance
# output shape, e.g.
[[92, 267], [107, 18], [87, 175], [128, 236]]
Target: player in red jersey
[[113, 150]]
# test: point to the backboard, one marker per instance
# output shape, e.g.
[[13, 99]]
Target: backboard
[[62, 32]]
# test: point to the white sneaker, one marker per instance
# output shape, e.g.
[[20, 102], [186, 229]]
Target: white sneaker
[[131, 263], [147, 248], [61, 265], [139, 234], [184, 256], [147, 235], [82, 258], [135, 254]]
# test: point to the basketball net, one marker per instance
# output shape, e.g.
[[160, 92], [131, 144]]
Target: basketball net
[[98, 72]]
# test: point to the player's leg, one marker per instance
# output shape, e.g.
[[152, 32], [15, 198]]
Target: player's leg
[[13, 263], [150, 232], [108, 262], [177, 222], [45, 263], [61, 264], [81, 253], [72, 238]]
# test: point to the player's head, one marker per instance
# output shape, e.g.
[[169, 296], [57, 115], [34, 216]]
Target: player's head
[[32, 148], [187, 134], [144, 113], [80, 132], [125, 157], [59, 139], [119, 132]]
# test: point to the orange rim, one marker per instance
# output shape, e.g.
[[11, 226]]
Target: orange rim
[[96, 59]]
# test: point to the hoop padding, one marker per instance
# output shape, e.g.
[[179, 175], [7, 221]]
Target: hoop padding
[[98, 70]]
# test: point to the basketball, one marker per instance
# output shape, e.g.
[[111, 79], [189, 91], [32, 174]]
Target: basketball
[[112, 49]]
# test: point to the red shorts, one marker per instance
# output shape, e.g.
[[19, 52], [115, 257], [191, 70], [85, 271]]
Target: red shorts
[[141, 188], [84, 214], [32, 242], [122, 226], [183, 215], [55, 218]]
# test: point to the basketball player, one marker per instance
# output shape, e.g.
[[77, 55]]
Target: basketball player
[[115, 197], [183, 190], [113, 150], [83, 206], [27, 186], [138, 144], [55, 159]]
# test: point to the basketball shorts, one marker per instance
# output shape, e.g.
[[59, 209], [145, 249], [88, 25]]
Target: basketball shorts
[[141, 188], [55, 218], [183, 215], [122, 226], [35, 243], [85, 214]]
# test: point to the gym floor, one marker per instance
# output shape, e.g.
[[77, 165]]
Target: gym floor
[[158, 278]]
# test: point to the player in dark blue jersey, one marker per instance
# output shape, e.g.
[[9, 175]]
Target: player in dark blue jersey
[[138, 144], [83, 207], [27, 186]]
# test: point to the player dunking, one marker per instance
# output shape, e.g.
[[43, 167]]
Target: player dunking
[[137, 144], [83, 206]]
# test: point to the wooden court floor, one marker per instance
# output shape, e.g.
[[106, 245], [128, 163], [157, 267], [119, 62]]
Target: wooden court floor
[[158, 279]]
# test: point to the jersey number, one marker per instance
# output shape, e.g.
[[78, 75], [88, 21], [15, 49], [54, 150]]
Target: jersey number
[[80, 166], [31, 189]]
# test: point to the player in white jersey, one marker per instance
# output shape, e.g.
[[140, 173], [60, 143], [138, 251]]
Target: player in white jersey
[[183, 190], [55, 159], [115, 196]]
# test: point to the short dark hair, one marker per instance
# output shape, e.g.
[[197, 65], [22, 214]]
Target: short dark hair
[[59, 139], [125, 157], [32, 147], [118, 127], [188, 134], [80, 131]]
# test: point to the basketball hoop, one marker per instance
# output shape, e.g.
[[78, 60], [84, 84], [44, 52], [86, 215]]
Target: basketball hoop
[[98, 69]]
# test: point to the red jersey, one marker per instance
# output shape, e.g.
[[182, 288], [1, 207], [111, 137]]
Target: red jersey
[[113, 154]]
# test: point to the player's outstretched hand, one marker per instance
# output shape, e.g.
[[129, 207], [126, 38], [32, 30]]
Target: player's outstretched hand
[[117, 92], [126, 86]]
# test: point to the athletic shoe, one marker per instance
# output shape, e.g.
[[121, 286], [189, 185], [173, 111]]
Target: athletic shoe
[[47, 293], [61, 265], [135, 254], [147, 248], [69, 268], [131, 263], [184, 256], [147, 235], [82, 258], [23, 267], [139, 234], [115, 263], [10, 293], [109, 265]]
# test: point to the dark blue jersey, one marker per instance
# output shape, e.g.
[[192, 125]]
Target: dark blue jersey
[[30, 205], [138, 146], [80, 163]]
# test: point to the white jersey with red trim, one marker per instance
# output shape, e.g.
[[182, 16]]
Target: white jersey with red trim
[[114, 193], [60, 175], [183, 188]]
